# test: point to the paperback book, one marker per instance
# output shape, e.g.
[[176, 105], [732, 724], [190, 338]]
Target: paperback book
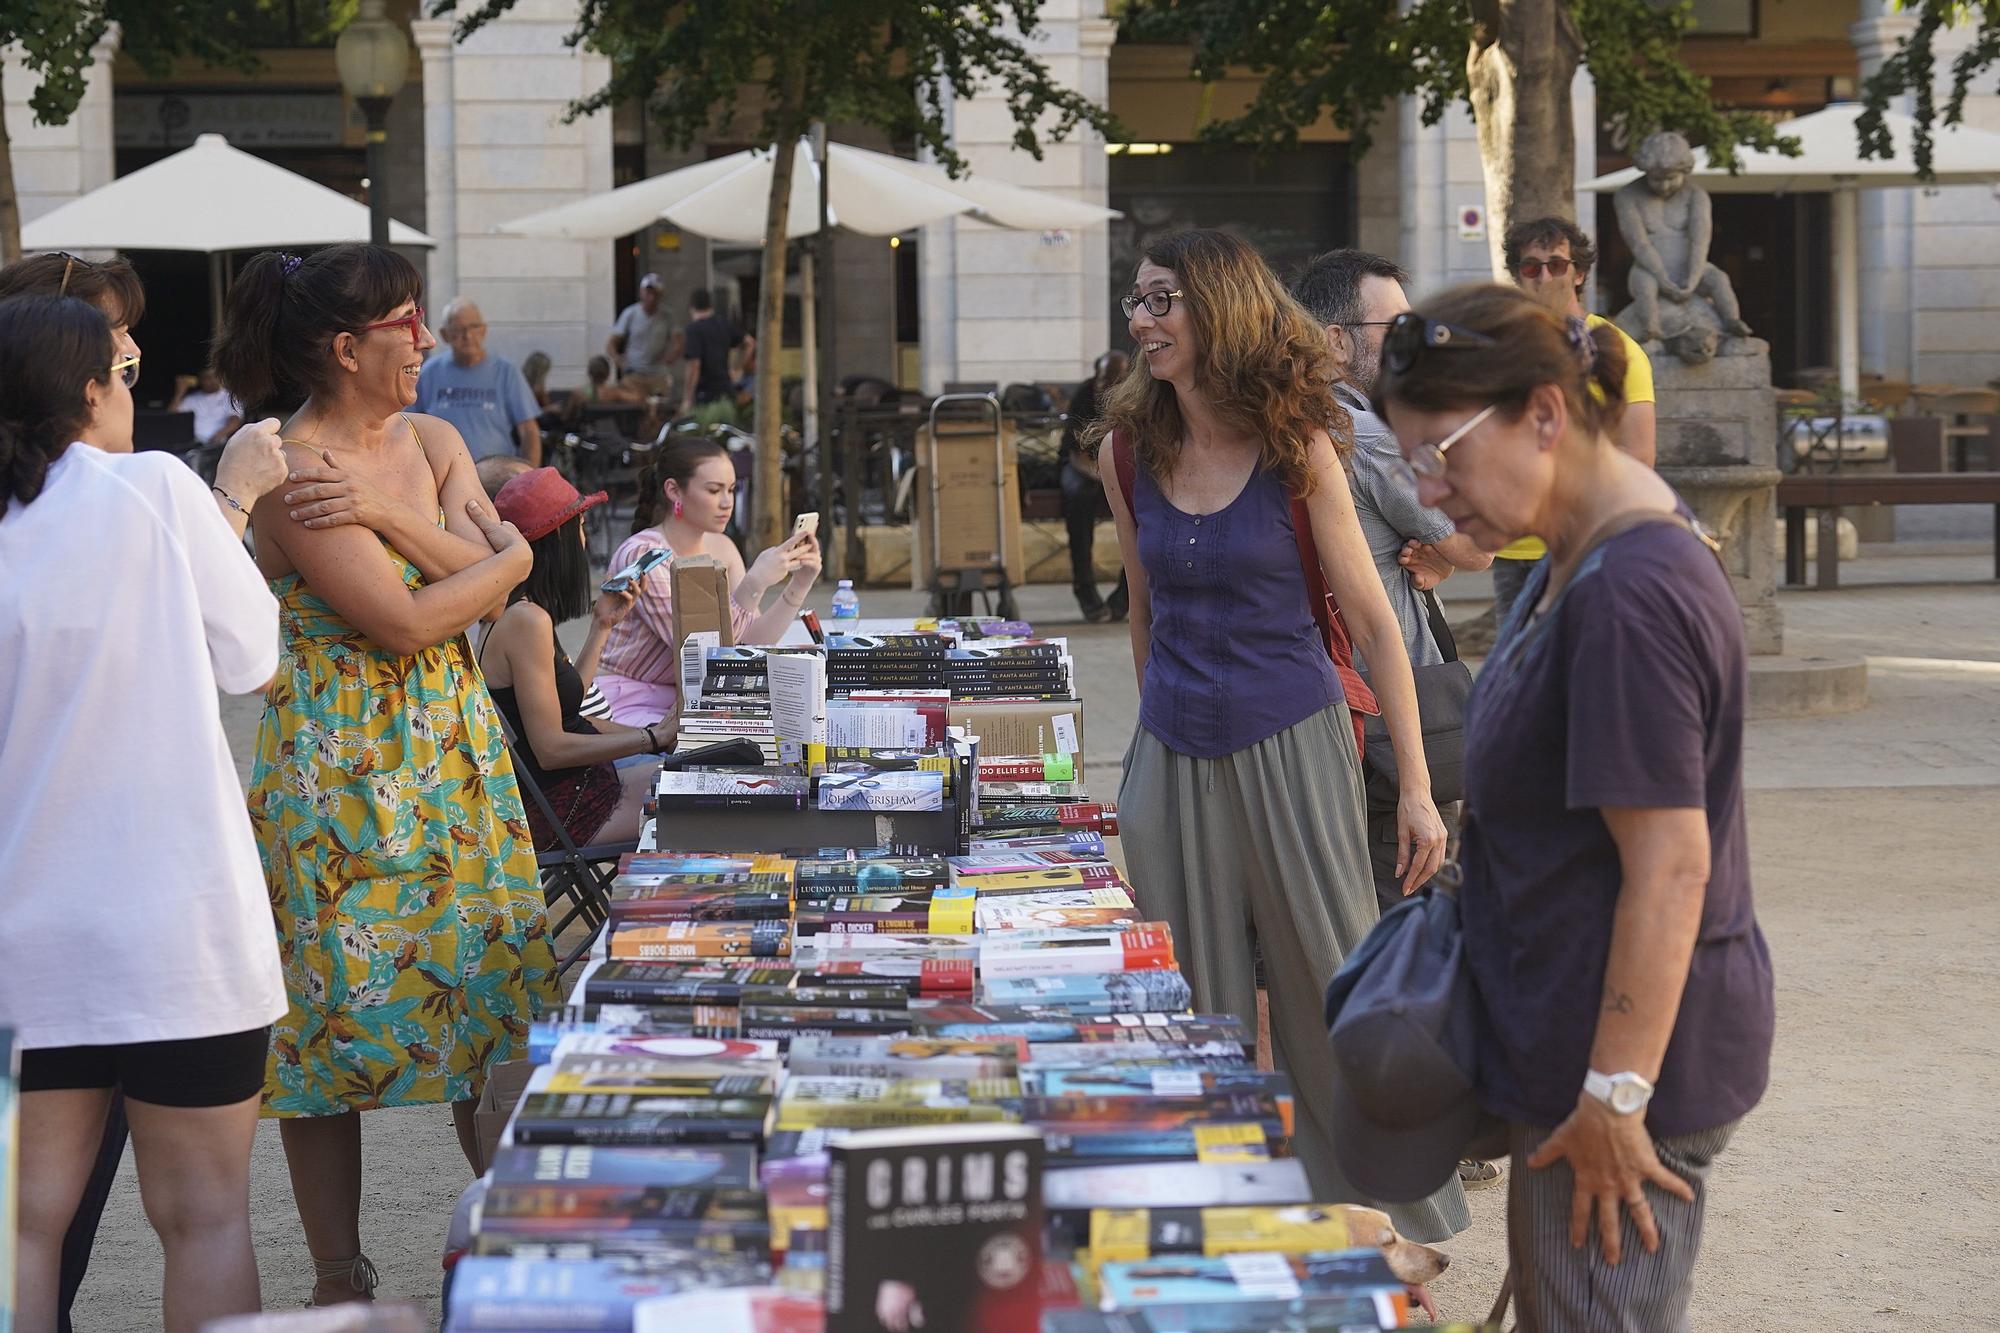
[[935, 1230]]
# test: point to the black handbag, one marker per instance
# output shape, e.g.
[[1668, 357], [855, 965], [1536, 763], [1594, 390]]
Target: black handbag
[[1442, 689]]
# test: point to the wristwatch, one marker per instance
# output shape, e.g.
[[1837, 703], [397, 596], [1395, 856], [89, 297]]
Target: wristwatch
[[1625, 1094]]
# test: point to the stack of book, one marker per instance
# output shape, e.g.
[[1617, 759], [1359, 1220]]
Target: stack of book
[[863, 1088]]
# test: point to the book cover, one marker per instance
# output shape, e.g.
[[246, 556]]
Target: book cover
[[620, 1118], [1087, 841], [681, 902], [1086, 1113], [934, 1230], [1048, 768], [1190, 1278], [1003, 916], [1132, 1234], [1178, 1184], [1163, 989], [903, 1057], [1189, 1143], [881, 791], [668, 940], [490, 1294], [821, 1102], [706, 1218], [584, 1167], [1156, 1083], [703, 863], [739, 1310], [1108, 1028], [706, 789], [1027, 953], [829, 876], [656, 1078], [704, 1024], [747, 1056], [935, 977], [1091, 1055], [1100, 816]]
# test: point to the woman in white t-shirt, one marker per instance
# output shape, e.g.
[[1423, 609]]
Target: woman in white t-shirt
[[138, 954]]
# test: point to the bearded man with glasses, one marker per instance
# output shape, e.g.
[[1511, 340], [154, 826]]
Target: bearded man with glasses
[[1550, 259]]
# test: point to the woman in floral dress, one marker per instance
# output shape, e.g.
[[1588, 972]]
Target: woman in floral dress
[[409, 915]]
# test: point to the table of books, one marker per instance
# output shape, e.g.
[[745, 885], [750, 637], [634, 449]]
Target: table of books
[[946, 1084]]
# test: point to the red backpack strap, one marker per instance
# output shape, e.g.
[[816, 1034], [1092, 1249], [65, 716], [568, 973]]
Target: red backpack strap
[[1332, 627]]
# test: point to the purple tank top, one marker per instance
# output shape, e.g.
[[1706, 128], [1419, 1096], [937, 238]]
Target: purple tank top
[[1236, 657]]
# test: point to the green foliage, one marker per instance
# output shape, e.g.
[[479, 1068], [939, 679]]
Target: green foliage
[[885, 63], [56, 37], [1912, 69], [1354, 57]]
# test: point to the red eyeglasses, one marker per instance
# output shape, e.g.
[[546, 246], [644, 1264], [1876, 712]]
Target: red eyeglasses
[[414, 321]]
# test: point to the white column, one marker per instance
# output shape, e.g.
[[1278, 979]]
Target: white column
[[434, 46], [495, 118], [1846, 292], [1020, 308], [1583, 124], [1887, 292]]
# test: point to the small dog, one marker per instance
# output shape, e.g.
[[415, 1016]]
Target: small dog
[[1413, 1263]]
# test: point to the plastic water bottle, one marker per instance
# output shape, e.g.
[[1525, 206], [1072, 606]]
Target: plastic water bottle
[[846, 605]]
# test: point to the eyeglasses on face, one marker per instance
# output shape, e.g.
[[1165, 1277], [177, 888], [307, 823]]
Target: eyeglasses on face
[[1427, 460], [1157, 303], [414, 321], [126, 368], [1557, 265], [1410, 335]]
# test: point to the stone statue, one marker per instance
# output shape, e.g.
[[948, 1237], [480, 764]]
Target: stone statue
[[1679, 299]]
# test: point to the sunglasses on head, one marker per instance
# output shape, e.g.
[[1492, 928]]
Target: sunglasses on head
[[1557, 266], [1410, 335], [414, 321]]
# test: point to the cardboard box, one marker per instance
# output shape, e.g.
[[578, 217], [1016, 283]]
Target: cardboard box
[[701, 599], [978, 499], [1027, 728], [503, 1089]]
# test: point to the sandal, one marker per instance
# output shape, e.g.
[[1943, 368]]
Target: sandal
[[357, 1274]]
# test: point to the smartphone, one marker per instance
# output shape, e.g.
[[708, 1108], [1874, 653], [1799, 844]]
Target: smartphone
[[808, 525], [811, 619], [625, 577]]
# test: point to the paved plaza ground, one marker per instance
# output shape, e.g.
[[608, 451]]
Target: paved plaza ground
[[1861, 1195]]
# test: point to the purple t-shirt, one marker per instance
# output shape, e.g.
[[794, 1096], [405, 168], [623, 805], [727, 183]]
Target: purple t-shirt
[[1628, 692]]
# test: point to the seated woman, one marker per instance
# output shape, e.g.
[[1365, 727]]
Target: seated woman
[[541, 692], [693, 483]]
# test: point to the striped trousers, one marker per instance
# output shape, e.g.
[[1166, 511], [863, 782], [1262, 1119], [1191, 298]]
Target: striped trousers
[[1563, 1289]]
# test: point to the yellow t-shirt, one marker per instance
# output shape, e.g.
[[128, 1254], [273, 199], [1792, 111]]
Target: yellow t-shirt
[[1638, 389]]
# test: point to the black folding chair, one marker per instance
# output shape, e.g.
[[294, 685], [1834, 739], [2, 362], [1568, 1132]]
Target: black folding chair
[[580, 876]]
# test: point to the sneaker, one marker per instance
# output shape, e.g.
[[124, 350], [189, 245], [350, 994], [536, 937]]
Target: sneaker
[[1475, 1174]]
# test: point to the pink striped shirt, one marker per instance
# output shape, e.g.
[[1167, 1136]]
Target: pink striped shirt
[[641, 646]]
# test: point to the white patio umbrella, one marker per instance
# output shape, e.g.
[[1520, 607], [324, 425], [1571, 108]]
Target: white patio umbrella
[[210, 198], [875, 194], [1830, 162]]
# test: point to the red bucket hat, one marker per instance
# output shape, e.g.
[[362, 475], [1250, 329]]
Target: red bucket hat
[[541, 501]]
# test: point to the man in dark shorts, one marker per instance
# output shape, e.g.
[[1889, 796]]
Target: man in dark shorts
[[707, 388]]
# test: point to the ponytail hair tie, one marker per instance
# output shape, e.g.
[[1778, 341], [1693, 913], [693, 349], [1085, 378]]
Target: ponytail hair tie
[[1582, 343], [291, 263]]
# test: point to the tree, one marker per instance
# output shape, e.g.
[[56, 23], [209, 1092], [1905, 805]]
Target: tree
[[890, 64], [1912, 69], [1510, 61], [56, 38]]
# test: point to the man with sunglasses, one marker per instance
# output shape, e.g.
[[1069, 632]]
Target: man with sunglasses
[[1550, 259]]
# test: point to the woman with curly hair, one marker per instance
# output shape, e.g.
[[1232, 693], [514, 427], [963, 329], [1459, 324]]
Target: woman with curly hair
[[1242, 800]]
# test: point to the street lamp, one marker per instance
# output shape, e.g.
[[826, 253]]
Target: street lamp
[[373, 55]]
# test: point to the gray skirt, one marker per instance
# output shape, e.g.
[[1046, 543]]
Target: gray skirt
[[1268, 848]]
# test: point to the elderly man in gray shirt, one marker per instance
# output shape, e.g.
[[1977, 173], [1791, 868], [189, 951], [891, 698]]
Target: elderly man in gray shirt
[[1356, 295]]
